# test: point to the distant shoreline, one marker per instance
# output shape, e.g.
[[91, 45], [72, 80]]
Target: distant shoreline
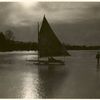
[[10, 45], [82, 47]]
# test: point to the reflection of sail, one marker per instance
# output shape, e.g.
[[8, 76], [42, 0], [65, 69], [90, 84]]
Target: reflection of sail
[[49, 45], [52, 80]]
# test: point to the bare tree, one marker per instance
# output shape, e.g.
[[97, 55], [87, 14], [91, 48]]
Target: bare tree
[[9, 35]]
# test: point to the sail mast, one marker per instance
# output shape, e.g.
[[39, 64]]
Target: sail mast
[[38, 40]]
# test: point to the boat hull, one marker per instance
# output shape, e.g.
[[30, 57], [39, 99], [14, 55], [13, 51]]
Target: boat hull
[[43, 62]]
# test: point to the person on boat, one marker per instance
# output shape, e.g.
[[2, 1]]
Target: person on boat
[[98, 57], [51, 59]]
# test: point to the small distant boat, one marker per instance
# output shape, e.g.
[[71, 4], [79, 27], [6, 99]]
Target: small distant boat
[[49, 45]]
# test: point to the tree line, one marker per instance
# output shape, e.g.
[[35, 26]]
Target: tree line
[[7, 43], [82, 47]]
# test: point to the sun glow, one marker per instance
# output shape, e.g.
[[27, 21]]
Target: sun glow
[[28, 4]]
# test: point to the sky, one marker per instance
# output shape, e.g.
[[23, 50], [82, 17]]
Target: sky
[[74, 23]]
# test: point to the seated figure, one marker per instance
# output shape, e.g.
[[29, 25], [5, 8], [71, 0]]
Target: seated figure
[[51, 59]]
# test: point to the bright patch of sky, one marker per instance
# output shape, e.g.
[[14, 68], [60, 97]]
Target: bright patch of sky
[[26, 13]]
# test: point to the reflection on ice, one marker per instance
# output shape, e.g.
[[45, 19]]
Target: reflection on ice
[[51, 79], [30, 86], [19, 52], [20, 78]]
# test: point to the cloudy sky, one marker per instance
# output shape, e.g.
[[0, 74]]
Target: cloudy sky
[[73, 22]]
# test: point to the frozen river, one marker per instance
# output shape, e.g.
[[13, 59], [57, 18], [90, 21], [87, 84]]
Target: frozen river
[[20, 78]]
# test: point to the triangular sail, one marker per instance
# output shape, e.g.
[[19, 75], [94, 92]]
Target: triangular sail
[[49, 44]]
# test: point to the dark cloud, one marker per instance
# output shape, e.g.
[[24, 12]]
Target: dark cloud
[[73, 22], [79, 33]]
